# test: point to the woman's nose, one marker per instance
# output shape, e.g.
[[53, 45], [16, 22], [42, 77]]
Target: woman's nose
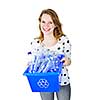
[[47, 24]]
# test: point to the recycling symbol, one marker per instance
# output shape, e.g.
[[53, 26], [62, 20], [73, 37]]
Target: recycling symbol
[[43, 83]]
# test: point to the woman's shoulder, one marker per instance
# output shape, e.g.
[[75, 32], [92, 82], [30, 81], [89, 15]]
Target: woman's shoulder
[[35, 41], [63, 38]]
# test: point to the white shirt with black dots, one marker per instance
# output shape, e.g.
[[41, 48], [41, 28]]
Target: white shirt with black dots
[[63, 46]]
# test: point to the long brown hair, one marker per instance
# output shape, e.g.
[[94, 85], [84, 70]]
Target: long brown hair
[[58, 29]]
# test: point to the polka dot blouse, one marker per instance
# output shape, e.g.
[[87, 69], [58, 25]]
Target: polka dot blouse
[[63, 46]]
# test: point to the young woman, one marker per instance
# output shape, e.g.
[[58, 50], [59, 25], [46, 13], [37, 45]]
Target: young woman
[[52, 38]]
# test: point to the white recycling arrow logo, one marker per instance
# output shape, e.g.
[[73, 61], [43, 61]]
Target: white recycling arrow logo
[[43, 83]]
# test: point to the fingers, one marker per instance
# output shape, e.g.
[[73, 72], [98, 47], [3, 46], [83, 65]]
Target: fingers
[[66, 61]]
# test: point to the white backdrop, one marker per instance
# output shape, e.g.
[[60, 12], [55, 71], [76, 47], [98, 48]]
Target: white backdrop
[[18, 26]]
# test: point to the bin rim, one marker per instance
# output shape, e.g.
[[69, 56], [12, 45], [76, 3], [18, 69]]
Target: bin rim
[[40, 74]]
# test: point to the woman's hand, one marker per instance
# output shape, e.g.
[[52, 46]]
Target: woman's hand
[[66, 61]]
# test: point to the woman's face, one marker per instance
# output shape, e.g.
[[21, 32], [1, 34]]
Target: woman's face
[[47, 25]]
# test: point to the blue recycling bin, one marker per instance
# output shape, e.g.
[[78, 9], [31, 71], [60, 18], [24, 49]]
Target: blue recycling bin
[[43, 82]]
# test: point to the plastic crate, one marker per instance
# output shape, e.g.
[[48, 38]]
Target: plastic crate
[[43, 82]]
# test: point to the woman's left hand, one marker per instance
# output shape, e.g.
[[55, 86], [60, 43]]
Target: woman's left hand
[[66, 61]]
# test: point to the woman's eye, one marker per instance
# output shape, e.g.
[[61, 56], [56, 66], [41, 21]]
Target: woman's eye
[[50, 22], [43, 21]]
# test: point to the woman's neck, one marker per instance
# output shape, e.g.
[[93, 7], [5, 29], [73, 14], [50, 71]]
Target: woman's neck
[[49, 40]]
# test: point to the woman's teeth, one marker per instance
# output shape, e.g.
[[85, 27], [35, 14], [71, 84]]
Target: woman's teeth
[[46, 29]]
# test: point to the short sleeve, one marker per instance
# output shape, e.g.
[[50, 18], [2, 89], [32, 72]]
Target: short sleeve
[[32, 48], [67, 47]]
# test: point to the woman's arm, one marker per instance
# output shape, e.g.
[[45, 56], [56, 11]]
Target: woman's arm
[[67, 51]]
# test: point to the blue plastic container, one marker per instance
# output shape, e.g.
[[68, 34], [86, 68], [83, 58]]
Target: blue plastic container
[[43, 82]]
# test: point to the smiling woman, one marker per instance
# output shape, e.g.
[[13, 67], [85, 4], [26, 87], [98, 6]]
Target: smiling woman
[[51, 16], [53, 39], [47, 25]]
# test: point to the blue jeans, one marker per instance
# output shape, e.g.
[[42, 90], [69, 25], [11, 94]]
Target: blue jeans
[[63, 94]]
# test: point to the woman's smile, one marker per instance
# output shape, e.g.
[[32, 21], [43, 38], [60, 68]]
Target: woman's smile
[[46, 29]]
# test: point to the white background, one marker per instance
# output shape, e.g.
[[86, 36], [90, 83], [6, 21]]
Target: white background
[[18, 26]]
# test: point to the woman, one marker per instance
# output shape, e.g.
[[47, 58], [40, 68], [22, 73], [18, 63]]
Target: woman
[[52, 38]]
